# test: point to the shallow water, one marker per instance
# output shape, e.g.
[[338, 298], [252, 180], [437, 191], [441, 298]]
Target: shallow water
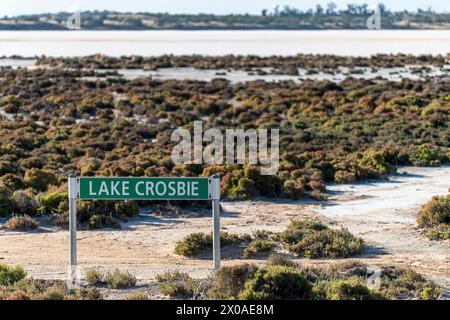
[[263, 43]]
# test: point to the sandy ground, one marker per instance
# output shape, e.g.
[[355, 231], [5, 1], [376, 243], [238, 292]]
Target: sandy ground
[[382, 213]]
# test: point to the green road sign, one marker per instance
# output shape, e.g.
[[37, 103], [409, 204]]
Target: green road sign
[[146, 188]]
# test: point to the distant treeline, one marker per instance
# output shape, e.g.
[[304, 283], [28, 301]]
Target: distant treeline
[[354, 16]]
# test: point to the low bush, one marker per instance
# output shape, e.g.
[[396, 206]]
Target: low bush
[[311, 239], [94, 277], [196, 243], [6, 294], [435, 218], [53, 203], [258, 246], [328, 244], [280, 260], [126, 208], [345, 289], [434, 212], [283, 279], [399, 283], [12, 181], [86, 294], [39, 179], [426, 156], [25, 202], [229, 281], [34, 289], [99, 222], [22, 223], [176, 283], [6, 203], [99, 214], [297, 229], [277, 283], [138, 296], [11, 275], [119, 280], [439, 232]]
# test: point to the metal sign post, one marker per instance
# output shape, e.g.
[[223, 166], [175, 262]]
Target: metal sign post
[[145, 188], [215, 181], [73, 195]]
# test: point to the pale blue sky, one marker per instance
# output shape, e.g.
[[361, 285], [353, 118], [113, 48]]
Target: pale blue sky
[[16, 7]]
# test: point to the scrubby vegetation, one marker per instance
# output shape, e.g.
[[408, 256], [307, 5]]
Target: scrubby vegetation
[[288, 280], [112, 279], [56, 122], [137, 296], [277, 283], [250, 63], [119, 280], [30, 289], [180, 284], [306, 239], [22, 223], [311, 239], [196, 243], [10, 275], [434, 218], [14, 286]]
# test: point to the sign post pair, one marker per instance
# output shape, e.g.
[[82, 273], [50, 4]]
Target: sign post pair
[[144, 188]]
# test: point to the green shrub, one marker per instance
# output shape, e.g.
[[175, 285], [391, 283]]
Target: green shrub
[[138, 296], [258, 246], [25, 202], [345, 289], [53, 203], [127, 208], [6, 203], [293, 189], [297, 229], [377, 162], [12, 181], [277, 283], [196, 243], [439, 232], [86, 294], [311, 239], [10, 275], [245, 189], [399, 283], [193, 244], [95, 222], [119, 280], [39, 179], [42, 289], [6, 294], [100, 214], [435, 212], [425, 155], [430, 293], [229, 281], [54, 293], [176, 283], [344, 177], [94, 277], [21, 223], [280, 260], [328, 243]]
